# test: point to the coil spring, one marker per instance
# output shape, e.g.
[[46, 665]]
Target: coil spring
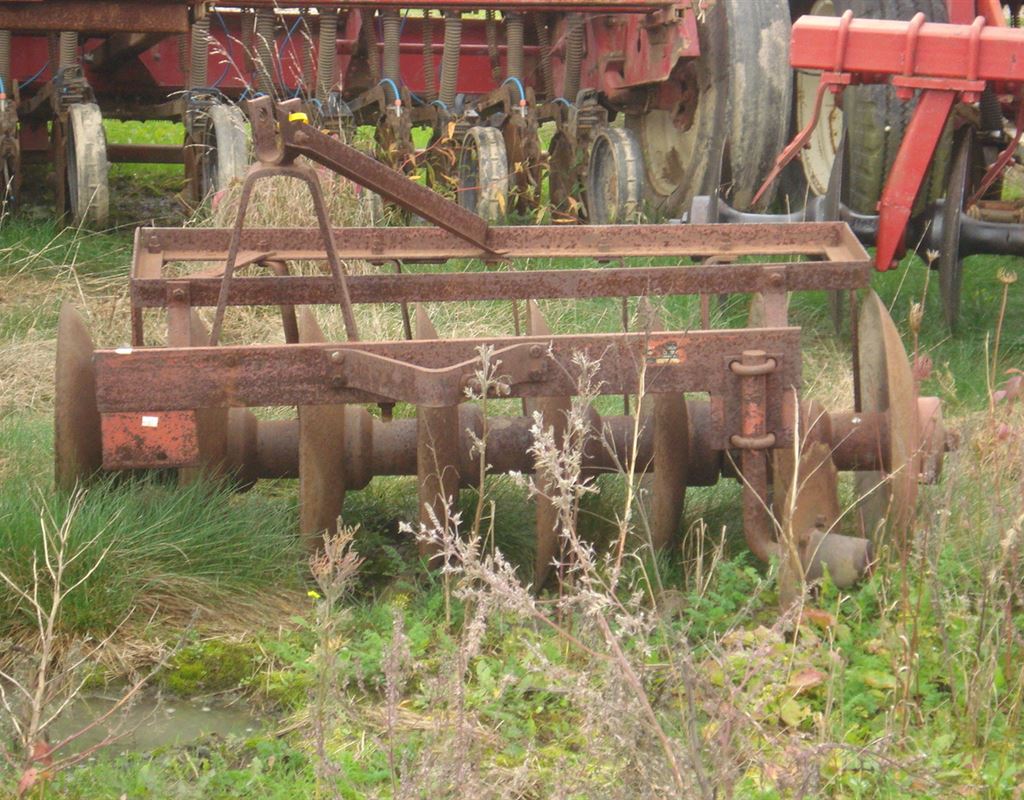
[[200, 49], [369, 36], [491, 34], [450, 56], [327, 54], [514, 30], [308, 86], [391, 24], [5, 59], [248, 23], [540, 25], [265, 51], [68, 49], [573, 56], [429, 76], [182, 39], [53, 52]]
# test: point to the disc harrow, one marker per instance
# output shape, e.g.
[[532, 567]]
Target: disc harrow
[[705, 403]]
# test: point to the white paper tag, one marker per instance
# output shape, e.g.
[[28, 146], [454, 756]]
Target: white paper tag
[[123, 351], [150, 422]]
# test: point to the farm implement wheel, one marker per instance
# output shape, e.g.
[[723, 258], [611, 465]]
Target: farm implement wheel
[[223, 150], [87, 194], [615, 178], [723, 103], [483, 173], [77, 442], [950, 260]]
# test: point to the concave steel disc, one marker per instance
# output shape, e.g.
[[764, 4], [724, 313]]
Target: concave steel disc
[[950, 263], [321, 455], [78, 444], [887, 498]]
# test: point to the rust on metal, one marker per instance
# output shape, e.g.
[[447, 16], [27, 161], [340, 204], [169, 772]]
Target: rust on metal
[[134, 439], [834, 240], [96, 16]]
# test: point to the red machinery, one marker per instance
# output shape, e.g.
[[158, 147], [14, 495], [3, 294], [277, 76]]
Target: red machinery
[[479, 85]]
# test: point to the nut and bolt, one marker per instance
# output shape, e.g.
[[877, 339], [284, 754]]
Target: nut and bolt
[[536, 351]]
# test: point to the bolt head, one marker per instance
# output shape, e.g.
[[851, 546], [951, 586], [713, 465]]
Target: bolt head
[[178, 294], [536, 351], [337, 357]]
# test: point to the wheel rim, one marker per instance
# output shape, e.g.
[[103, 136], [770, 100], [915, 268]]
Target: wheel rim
[[950, 263]]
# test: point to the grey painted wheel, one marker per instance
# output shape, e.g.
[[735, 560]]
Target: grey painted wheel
[[225, 150], [615, 178], [88, 193]]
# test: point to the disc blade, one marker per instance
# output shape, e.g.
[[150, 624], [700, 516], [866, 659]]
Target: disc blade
[[554, 411], [77, 441], [211, 423], [321, 456], [887, 498], [950, 264], [667, 486], [437, 455]]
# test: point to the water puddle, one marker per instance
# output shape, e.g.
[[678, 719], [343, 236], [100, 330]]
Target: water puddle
[[153, 721]]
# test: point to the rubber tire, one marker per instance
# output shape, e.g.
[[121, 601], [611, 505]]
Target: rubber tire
[[483, 173], [877, 119], [743, 79], [88, 191], [225, 154], [615, 178]]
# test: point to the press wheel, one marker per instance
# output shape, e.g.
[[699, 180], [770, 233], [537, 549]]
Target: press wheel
[[483, 173], [87, 190], [950, 263], [615, 178], [224, 150], [77, 442], [887, 499]]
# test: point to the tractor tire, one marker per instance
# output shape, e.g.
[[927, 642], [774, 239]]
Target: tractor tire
[[731, 133], [876, 119]]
